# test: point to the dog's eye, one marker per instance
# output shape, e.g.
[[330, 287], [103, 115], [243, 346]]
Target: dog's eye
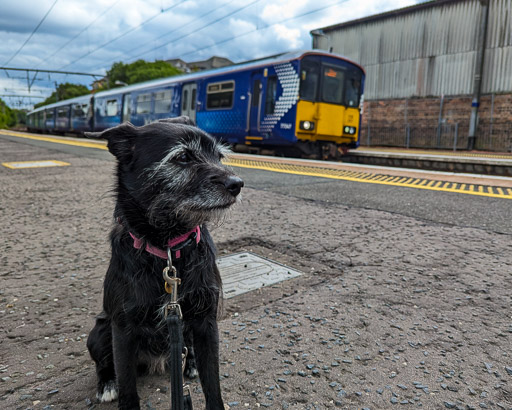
[[183, 158]]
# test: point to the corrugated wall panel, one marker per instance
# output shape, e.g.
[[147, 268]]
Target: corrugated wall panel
[[497, 70], [497, 75], [500, 24], [429, 52]]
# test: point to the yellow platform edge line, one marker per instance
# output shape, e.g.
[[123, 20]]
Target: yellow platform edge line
[[368, 181], [273, 169], [56, 140], [43, 163]]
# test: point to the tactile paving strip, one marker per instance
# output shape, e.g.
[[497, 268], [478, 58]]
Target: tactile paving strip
[[420, 183]]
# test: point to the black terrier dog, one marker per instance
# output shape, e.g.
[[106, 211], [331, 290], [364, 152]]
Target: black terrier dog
[[170, 183]]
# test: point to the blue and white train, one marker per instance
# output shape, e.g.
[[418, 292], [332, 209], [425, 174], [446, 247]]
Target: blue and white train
[[309, 101]]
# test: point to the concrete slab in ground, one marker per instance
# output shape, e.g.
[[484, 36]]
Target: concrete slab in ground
[[243, 272]]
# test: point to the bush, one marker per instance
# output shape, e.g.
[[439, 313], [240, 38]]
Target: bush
[[7, 116]]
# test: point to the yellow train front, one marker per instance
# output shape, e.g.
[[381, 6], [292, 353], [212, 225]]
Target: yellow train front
[[310, 103]]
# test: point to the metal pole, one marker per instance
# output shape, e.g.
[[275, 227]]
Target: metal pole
[[477, 81], [492, 119], [368, 136], [407, 131], [456, 136], [439, 122]]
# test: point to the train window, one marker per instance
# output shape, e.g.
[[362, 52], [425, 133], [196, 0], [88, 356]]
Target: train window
[[332, 85], [271, 95], [143, 104], [49, 115], [80, 110], [62, 112], [193, 99], [112, 108], [185, 100], [163, 101], [352, 88], [220, 95], [309, 81], [257, 93]]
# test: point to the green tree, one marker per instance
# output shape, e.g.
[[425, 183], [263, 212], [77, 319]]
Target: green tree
[[137, 72], [20, 115], [65, 91], [7, 116]]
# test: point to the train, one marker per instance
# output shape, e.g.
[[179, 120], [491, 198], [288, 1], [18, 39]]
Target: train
[[305, 102]]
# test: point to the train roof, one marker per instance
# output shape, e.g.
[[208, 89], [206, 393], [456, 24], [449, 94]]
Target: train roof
[[80, 99], [275, 59]]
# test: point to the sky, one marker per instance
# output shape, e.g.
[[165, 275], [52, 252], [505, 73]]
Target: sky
[[89, 36]]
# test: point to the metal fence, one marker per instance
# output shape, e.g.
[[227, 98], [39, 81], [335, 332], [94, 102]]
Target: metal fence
[[446, 136], [494, 136]]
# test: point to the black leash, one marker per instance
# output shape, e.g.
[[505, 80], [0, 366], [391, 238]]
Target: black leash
[[180, 394]]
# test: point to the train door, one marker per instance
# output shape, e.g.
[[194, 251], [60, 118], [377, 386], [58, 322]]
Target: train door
[[189, 100], [127, 107], [255, 103]]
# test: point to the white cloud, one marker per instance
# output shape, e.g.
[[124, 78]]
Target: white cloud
[[290, 35], [277, 11], [179, 29]]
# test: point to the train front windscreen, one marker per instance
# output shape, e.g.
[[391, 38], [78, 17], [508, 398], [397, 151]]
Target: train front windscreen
[[329, 83]]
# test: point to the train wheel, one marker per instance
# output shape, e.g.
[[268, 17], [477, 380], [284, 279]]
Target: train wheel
[[343, 149], [330, 152]]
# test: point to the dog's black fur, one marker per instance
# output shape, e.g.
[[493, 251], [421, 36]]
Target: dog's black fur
[[169, 180]]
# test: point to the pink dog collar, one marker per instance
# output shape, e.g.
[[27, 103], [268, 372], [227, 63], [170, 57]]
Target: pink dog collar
[[192, 237]]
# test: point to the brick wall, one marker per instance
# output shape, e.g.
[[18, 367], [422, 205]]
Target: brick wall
[[414, 122]]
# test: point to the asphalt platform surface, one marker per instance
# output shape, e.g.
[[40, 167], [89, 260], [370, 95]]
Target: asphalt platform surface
[[392, 311]]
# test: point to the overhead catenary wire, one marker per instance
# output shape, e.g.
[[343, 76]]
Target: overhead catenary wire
[[230, 38], [6, 69], [123, 34], [82, 31], [31, 34], [265, 27], [197, 30]]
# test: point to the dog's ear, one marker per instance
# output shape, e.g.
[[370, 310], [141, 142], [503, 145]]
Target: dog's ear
[[121, 140], [184, 119]]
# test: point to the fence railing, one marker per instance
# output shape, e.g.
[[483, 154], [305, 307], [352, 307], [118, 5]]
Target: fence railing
[[494, 136], [448, 136]]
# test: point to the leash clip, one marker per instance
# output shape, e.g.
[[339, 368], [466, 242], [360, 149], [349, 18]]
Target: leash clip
[[171, 287], [171, 283]]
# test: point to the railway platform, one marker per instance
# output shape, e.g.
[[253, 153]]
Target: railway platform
[[470, 162], [473, 162], [390, 288]]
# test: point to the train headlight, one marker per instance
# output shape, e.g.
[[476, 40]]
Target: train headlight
[[307, 125], [349, 130]]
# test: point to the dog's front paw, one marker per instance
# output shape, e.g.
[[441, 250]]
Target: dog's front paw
[[107, 391], [190, 369]]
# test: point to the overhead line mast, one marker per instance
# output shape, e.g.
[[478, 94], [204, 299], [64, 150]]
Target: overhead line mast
[[36, 71]]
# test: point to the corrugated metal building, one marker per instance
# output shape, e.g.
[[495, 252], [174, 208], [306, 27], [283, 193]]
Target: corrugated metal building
[[431, 50]]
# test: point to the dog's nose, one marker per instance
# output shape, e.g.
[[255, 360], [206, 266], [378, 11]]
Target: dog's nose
[[233, 184]]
